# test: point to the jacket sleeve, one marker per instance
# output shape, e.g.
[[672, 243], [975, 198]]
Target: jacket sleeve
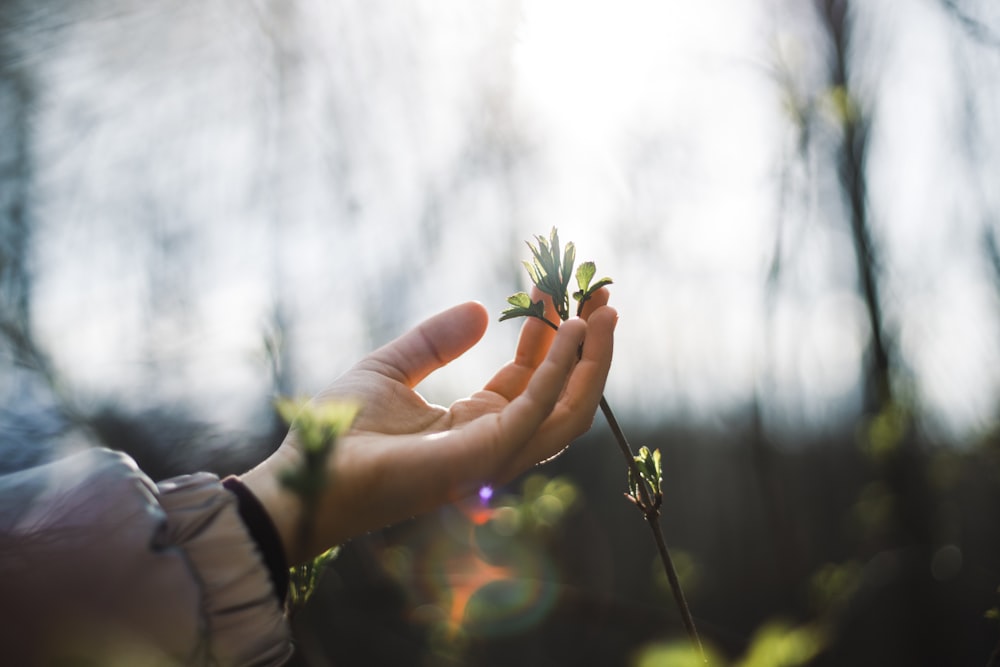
[[100, 565]]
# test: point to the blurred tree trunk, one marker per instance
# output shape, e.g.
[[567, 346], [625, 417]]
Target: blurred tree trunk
[[853, 154], [33, 411], [15, 185], [899, 465], [17, 96]]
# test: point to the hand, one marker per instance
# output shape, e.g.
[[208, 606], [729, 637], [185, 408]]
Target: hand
[[404, 456]]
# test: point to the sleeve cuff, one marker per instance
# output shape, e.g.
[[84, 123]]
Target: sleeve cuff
[[245, 623], [263, 532]]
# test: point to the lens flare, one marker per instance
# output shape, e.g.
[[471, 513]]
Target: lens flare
[[513, 604], [482, 569]]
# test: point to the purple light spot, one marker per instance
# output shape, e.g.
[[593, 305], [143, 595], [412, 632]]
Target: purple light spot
[[485, 493]]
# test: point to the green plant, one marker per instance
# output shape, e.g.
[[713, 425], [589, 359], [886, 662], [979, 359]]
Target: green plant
[[993, 614], [317, 427], [551, 270]]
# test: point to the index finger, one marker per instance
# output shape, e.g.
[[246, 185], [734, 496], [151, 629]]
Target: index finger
[[596, 300], [532, 346]]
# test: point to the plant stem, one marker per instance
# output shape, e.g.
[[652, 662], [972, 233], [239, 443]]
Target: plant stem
[[651, 512], [994, 657]]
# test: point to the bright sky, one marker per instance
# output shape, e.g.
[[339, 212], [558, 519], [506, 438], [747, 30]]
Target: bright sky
[[178, 199]]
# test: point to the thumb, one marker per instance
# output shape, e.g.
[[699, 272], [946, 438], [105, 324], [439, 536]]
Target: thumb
[[431, 344]]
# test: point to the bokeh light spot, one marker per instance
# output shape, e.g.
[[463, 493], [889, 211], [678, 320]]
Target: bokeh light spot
[[485, 493]]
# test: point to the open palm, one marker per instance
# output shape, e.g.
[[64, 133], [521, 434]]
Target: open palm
[[403, 455]]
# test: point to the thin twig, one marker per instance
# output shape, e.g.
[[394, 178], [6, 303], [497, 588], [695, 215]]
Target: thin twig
[[994, 657], [651, 512]]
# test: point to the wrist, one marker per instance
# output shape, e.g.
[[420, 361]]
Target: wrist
[[283, 506]]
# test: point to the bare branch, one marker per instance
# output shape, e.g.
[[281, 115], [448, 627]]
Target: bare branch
[[974, 28]]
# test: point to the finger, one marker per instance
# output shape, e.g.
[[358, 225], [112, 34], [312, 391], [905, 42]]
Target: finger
[[574, 413], [596, 300], [517, 422], [431, 344], [446, 466], [532, 346], [536, 335], [586, 385], [542, 392]]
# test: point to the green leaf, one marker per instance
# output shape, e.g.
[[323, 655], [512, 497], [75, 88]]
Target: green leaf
[[317, 427], [522, 306], [304, 578], [643, 460], [543, 244], [511, 313], [633, 486], [569, 258], [543, 257], [288, 409], [544, 269], [583, 296], [550, 270], [650, 468], [538, 259], [519, 300], [603, 282], [554, 254], [320, 424], [533, 272], [778, 644], [584, 274]]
